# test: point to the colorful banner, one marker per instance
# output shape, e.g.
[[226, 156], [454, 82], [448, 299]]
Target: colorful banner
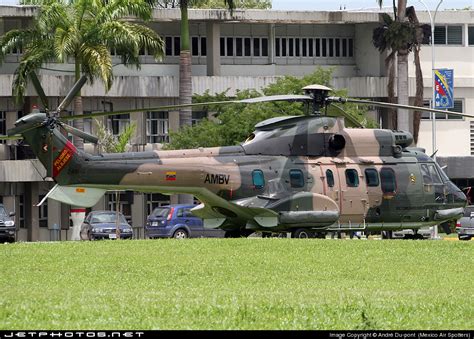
[[444, 91]]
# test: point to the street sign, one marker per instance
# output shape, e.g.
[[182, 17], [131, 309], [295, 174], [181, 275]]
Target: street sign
[[444, 92]]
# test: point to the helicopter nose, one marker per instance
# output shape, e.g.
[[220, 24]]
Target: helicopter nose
[[459, 198]]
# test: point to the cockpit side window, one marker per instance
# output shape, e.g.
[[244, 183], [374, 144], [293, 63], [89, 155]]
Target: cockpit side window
[[388, 180], [371, 177]]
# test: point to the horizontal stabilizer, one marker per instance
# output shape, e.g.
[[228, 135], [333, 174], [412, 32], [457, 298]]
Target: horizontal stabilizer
[[74, 195]]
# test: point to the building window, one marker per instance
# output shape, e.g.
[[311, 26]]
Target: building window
[[258, 179], [470, 33], [458, 107], [371, 177], [173, 45], [198, 46], [198, 116], [117, 123], [448, 35], [296, 178], [387, 178], [22, 207], [125, 206], [352, 177], [177, 45], [154, 200], [247, 51], [157, 125], [43, 212], [3, 125], [330, 178]]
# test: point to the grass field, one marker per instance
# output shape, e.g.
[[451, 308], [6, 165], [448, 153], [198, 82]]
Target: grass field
[[237, 284]]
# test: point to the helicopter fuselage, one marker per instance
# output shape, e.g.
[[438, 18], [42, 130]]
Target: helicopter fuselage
[[293, 172]]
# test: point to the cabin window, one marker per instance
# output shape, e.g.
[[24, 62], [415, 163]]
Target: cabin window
[[296, 178], [330, 178], [352, 177], [389, 183], [372, 177], [258, 179]]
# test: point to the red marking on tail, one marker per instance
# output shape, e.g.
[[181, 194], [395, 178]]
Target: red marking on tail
[[64, 157]]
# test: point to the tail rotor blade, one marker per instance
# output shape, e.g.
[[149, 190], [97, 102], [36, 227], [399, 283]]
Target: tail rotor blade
[[79, 133]]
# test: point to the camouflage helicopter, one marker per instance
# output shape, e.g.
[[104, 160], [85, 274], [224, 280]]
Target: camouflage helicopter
[[300, 174]]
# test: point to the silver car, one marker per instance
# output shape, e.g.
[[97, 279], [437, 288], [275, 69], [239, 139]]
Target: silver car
[[465, 225]]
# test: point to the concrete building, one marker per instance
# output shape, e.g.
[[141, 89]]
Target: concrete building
[[247, 50]]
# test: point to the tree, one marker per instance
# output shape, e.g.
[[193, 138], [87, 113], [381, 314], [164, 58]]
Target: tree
[[85, 31], [399, 38], [235, 122], [109, 143]]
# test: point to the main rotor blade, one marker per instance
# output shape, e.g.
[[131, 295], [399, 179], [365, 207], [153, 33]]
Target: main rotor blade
[[146, 109], [79, 133], [11, 137], [39, 90], [269, 98], [386, 104], [72, 93]]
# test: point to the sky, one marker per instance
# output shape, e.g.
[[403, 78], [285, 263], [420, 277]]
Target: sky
[[328, 5]]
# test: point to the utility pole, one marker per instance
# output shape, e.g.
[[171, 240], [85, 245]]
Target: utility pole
[[433, 115]]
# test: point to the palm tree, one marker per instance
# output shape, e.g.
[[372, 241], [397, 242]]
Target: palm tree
[[399, 38], [185, 75], [85, 31]]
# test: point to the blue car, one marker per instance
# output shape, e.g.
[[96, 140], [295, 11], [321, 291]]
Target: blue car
[[177, 221]]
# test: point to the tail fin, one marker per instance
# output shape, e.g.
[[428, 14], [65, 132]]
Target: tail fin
[[57, 154]]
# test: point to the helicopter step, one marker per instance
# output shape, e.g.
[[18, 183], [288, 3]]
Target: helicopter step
[[348, 226]]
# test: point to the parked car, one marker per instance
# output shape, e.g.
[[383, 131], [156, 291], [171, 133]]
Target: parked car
[[421, 233], [177, 221], [465, 225], [7, 225], [102, 225]]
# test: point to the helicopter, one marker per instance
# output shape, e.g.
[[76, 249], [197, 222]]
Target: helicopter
[[302, 174]]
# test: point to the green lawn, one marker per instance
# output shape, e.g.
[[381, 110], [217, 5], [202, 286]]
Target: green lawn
[[237, 284]]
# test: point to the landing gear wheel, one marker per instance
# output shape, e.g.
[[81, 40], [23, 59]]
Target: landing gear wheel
[[180, 234], [302, 233], [237, 234]]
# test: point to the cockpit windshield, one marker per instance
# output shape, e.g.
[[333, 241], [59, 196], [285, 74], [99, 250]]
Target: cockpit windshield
[[430, 174]]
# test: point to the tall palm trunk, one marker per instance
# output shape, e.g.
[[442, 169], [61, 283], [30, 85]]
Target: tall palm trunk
[[185, 80], [418, 73], [390, 65], [78, 110], [402, 75]]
